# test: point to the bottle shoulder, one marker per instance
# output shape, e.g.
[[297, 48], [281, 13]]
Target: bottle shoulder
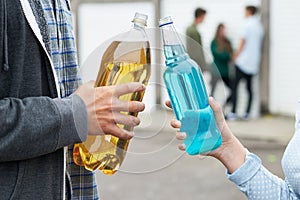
[[134, 34], [182, 65]]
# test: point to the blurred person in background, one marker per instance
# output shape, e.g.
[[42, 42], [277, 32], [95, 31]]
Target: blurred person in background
[[247, 59], [194, 41], [245, 169], [221, 50]]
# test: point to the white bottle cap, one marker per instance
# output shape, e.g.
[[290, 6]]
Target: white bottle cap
[[140, 18]]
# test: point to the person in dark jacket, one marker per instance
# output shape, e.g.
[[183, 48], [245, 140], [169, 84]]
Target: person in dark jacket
[[221, 50], [194, 40], [42, 108]]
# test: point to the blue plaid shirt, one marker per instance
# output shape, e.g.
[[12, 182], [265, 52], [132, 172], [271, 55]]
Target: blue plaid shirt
[[55, 22]]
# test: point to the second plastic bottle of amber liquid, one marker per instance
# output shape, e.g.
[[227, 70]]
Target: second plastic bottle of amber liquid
[[127, 59]]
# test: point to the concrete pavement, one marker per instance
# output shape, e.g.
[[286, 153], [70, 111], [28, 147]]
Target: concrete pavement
[[154, 169], [268, 128]]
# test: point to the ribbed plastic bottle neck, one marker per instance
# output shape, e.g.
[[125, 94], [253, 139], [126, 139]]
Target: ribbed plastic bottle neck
[[140, 20], [138, 26], [137, 31], [173, 47]]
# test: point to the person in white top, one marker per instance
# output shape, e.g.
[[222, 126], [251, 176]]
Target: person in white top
[[247, 58]]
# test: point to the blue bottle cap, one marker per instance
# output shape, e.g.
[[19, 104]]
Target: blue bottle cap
[[165, 21]]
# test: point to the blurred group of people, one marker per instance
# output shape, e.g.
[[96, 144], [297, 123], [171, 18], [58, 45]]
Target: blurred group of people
[[245, 60]]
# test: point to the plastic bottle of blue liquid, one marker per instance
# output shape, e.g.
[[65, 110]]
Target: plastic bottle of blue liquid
[[188, 95]]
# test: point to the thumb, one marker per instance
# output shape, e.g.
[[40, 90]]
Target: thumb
[[217, 109]]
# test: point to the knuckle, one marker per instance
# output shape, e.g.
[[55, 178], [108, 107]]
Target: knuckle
[[137, 106], [111, 119], [109, 107], [133, 106], [106, 91], [105, 109], [108, 129], [104, 126], [125, 106], [127, 87], [122, 135]]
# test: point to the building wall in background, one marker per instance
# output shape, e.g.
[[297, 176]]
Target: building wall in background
[[284, 56], [99, 22]]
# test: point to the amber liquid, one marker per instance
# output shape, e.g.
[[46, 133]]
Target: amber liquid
[[122, 62]]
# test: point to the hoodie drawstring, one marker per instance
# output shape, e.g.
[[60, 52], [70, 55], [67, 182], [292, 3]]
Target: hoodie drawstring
[[5, 39]]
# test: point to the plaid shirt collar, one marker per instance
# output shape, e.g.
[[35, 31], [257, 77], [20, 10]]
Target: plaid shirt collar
[[54, 19]]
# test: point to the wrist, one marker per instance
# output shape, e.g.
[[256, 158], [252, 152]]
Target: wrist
[[232, 155]]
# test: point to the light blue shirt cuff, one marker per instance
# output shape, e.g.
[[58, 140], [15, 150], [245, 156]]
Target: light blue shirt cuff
[[245, 172]]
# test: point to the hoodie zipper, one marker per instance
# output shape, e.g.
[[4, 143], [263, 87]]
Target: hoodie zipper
[[5, 45]]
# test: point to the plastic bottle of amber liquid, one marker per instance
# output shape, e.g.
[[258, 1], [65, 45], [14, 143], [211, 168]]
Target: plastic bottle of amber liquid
[[127, 59], [187, 91]]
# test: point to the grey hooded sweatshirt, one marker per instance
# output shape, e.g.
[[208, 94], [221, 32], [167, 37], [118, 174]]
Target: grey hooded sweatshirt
[[35, 125]]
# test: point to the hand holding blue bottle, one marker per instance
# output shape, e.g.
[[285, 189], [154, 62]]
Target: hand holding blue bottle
[[231, 152]]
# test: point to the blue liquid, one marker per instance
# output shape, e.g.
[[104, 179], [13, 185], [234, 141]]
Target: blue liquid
[[188, 95]]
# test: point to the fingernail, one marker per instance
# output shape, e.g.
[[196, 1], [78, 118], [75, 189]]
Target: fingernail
[[181, 146], [136, 121], [141, 106], [130, 134], [182, 135], [177, 123], [142, 87]]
